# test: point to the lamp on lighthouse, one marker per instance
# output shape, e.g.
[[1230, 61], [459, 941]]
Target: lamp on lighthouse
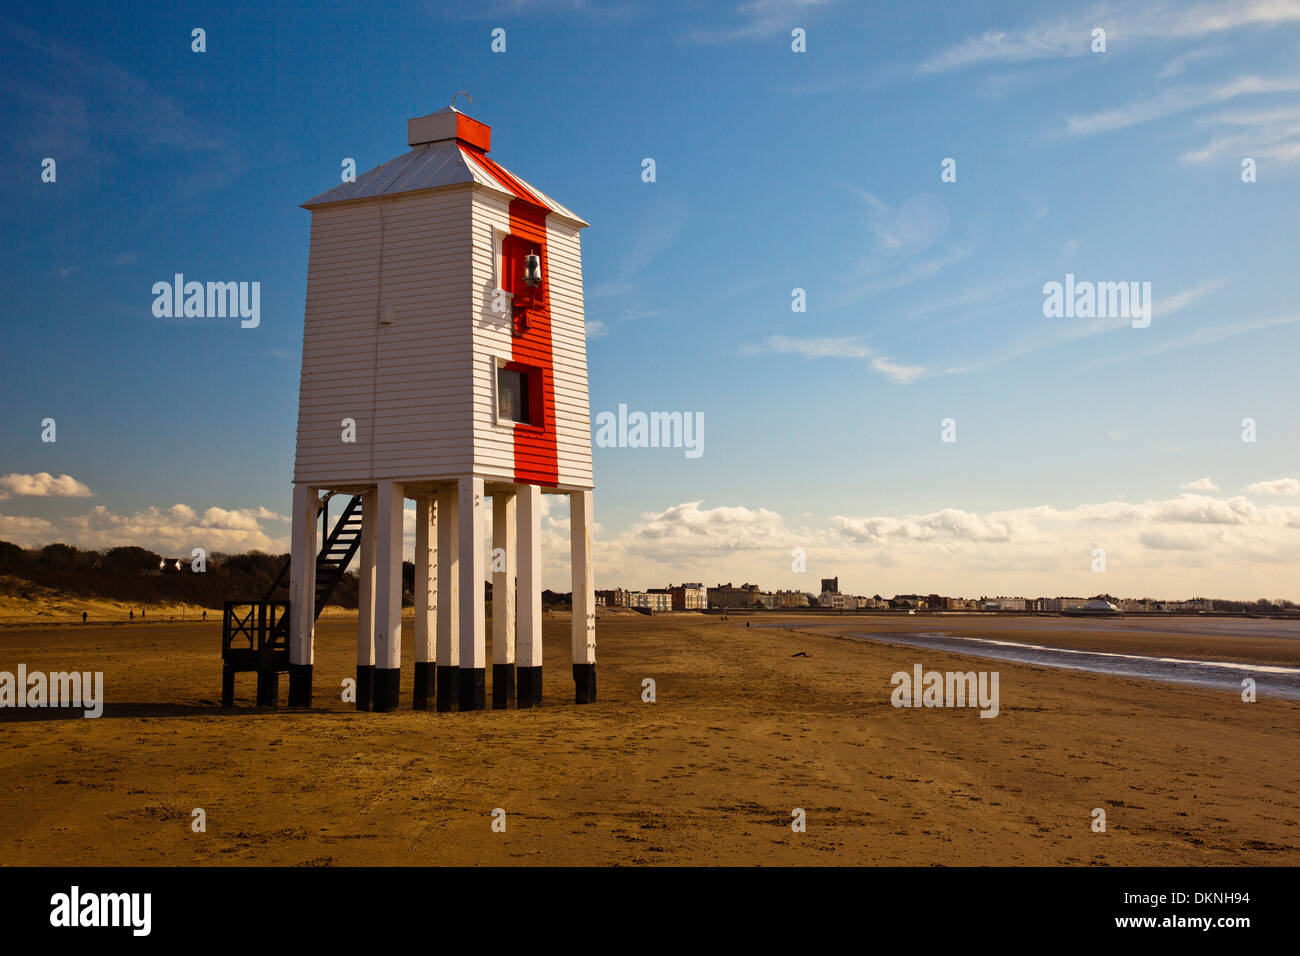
[[532, 270]]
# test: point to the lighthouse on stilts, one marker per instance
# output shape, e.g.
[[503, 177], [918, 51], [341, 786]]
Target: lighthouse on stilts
[[444, 360]]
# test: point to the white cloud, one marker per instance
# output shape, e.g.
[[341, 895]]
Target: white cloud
[[1278, 486], [26, 531], [826, 347], [759, 18], [898, 374], [1165, 306], [1173, 101], [1071, 34], [43, 485], [177, 529], [1179, 547], [1178, 64], [1203, 336], [1271, 135], [841, 348], [1200, 484]]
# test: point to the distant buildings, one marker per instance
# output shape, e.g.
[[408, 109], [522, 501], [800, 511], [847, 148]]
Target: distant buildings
[[1060, 603], [614, 597], [685, 597], [1096, 607], [690, 597], [1004, 604], [725, 597], [656, 602], [792, 599]]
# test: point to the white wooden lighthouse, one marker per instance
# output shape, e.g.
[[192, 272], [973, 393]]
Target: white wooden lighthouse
[[444, 360]]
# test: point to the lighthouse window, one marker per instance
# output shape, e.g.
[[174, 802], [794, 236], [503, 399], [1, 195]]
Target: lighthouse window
[[512, 395]]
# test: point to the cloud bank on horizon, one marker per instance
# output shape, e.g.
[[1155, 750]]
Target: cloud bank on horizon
[[1032, 551]]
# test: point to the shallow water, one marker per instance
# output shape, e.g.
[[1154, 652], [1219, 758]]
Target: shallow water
[[1270, 680]]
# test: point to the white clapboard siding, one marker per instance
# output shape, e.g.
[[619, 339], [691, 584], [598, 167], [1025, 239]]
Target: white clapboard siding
[[494, 446], [405, 383], [569, 350]]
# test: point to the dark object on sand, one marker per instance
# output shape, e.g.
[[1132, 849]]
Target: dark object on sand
[[800, 654]]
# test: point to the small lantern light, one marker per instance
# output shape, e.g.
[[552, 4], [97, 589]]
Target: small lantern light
[[532, 270]]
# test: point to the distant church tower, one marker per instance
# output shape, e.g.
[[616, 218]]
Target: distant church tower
[[444, 360]]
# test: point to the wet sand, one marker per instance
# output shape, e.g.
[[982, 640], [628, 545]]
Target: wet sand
[[741, 734]]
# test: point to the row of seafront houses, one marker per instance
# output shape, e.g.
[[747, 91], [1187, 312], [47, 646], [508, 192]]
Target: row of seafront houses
[[725, 597]]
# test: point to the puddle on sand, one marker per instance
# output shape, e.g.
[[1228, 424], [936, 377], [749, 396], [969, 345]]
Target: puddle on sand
[[1270, 680]]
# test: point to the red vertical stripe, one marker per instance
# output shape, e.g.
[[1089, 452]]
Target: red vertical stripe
[[536, 456]]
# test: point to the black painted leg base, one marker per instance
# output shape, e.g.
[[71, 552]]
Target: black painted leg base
[[503, 685], [448, 691], [528, 686], [387, 682], [365, 685], [227, 687], [425, 684], [473, 687], [299, 685], [584, 683], [268, 688]]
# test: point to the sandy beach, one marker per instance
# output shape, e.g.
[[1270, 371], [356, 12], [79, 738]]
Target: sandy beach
[[742, 732]]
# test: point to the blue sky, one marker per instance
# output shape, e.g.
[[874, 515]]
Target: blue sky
[[775, 170]]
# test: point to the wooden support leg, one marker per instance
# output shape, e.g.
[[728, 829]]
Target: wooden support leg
[[426, 601], [584, 597], [268, 687], [366, 605], [473, 627], [302, 595], [448, 614], [503, 599], [388, 595], [528, 650]]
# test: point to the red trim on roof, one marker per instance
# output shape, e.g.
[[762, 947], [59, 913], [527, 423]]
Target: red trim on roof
[[512, 184]]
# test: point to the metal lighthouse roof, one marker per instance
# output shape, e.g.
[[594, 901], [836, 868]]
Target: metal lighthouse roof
[[448, 148]]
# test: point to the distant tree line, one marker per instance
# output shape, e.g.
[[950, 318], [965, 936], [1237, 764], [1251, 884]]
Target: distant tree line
[[136, 574]]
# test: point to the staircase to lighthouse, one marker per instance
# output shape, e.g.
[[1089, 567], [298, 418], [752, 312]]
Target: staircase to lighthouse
[[255, 634]]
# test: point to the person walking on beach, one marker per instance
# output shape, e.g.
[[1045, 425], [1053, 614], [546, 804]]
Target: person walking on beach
[[83, 617], [205, 615], [130, 615]]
